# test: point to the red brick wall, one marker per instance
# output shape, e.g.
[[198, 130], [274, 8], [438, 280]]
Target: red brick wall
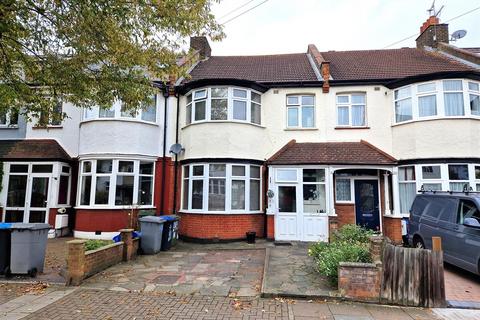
[[52, 213], [392, 228], [270, 227], [359, 281], [345, 213], [101, 259], [220, 226], [105, 220], [168, 193]]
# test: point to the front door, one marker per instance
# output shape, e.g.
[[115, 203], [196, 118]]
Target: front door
[[27, 198], [367, 210], [301, 215]]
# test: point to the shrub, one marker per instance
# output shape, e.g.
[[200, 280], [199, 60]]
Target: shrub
[[96, 244], [349, 244], [352, 233]]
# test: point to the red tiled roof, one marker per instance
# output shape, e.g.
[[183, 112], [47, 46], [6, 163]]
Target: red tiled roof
[[38, 149], [388, 64], [473, 50], [391, 64], [362, 153], [268, 68]]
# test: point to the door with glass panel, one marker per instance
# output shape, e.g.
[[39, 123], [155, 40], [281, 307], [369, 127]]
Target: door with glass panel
[[287, 220], [313, 216], [27, 193]]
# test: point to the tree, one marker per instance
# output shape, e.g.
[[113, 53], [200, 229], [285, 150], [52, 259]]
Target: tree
[[91, 52]]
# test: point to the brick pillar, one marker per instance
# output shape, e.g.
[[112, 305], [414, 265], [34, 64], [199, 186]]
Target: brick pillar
[[128, 251], [75, 261], [375, 247], [332, 226]]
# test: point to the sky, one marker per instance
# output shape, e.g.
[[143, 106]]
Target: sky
[[287, 26]]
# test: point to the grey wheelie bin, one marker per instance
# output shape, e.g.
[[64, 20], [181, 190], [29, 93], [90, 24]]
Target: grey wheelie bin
[[5, 247], [28, 246], [151, 238]]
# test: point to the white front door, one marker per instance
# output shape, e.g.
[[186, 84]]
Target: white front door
[[299, 217]]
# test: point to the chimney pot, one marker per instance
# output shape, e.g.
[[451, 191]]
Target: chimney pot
[[432, 32]]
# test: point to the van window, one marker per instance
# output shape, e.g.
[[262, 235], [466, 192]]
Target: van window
[[435, 207], [449, 206], [467, 209], [419, 205]]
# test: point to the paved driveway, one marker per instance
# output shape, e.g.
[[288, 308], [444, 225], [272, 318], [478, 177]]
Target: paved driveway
[[213, 273], [461, 286]]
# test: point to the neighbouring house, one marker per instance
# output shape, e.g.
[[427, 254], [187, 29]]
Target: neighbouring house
[[290, 146]]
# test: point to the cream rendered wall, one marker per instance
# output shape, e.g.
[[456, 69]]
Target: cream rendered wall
[[123, 136], [437, 139], [247, 141], [66, 134]]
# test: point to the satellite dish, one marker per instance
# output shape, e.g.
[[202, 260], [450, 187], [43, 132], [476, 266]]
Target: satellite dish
[[458, 35], [176, 148]]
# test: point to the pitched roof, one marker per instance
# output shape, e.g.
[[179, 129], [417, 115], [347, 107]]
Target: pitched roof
[[32, 149], [473, 50], [262, 69], [361, 153], [388, 64], [356, 65]]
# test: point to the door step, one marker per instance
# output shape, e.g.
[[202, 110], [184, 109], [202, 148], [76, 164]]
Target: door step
[[282, 243]]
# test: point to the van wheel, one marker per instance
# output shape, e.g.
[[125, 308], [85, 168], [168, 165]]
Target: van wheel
[[418, 243]]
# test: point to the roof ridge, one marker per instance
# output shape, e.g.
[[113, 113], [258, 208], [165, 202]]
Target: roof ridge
[[447, 58], [261, 55]]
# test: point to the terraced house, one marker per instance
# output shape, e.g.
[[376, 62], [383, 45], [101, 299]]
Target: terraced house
[[289, 146]]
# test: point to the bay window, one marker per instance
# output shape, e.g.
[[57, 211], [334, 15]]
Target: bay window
[[351, 110], [119, 110], [458, 176], [116, 182], [223, 104], [300, 111], [221, 188], [440, 98]]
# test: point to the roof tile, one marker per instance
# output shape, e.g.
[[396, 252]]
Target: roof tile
[[38, 149]]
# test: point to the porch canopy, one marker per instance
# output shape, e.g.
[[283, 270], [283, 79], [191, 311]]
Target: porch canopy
[[331, 153], [32, 150]]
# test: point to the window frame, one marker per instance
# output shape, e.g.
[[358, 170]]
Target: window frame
[[93, 114], [113, 182], [351, 184], [8, 120], [190, 106], [229, 177], [349, 105], [440, 100], [299, 107]]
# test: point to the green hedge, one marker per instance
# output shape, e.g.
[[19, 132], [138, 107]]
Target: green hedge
[[349, 244], [96, 244]]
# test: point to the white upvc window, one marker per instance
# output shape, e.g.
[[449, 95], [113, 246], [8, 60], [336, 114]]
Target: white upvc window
[[351, 110], [343, 190], [147, 113], [407, 187], [314, 190], [437, 99], [116, 183], [64, 185], [221, 188], [223, 104], [477, 177], [8, 119], [300, 111], [474, 98]]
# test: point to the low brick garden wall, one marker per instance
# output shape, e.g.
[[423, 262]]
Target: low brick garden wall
[[362, 281], [82, 264]]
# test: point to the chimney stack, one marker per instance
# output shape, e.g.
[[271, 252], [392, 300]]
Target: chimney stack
[[432, 32], [201, 45]]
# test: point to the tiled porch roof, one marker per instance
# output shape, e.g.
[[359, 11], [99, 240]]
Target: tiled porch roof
[[32, 149], [361, 153]]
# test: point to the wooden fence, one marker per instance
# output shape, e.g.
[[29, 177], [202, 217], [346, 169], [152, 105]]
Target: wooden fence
[[412, 277]]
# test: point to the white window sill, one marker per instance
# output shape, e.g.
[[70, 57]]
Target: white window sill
[[222, 121], [345, 202], [300, 129], [8, 126], [121, 120], [106, 207], [220, 212], [437, 118]]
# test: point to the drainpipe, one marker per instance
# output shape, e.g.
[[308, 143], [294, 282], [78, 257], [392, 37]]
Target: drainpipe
[[176, 155], [162, 194]]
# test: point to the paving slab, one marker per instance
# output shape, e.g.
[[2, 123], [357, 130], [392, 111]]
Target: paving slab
[[211, 272], [462, 288], [290, 272]]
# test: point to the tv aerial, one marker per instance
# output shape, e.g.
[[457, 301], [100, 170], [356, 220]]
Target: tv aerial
[[433, 12], [459, 34], [176, 148]]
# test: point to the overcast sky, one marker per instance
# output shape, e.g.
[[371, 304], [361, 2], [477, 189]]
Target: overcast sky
[[285, 26]]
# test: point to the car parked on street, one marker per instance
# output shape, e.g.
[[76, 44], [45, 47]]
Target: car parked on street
[[455, 218]]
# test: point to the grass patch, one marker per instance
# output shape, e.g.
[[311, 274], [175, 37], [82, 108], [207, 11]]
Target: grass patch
[[96, 244]]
